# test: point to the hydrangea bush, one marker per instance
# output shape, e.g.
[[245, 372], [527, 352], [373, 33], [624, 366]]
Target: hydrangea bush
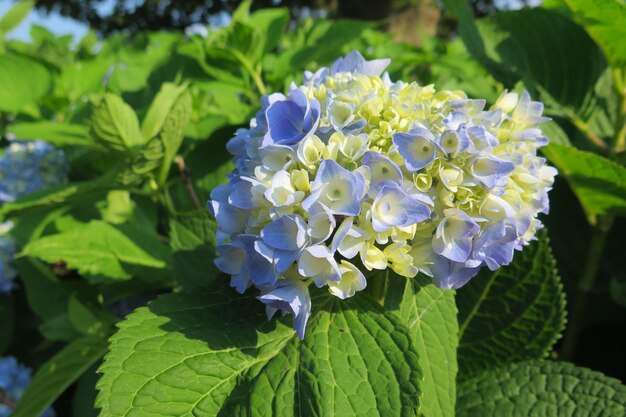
[[14, 378], [26, 167], [351, 172]]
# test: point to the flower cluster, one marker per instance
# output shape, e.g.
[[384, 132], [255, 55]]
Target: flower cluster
[[351, 172], [26, 167], [14, 378], [7, 273]]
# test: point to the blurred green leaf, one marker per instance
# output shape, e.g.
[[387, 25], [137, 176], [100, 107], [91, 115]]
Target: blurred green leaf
[[604, 20], [272, 23], [56, 375], [599, 183], [15, 15], [22, 82], [57, 134]]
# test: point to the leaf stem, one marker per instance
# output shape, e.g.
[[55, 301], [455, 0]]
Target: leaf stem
[[253, 73], [586, 284], [584, 128], [186, 178], [377, 284]]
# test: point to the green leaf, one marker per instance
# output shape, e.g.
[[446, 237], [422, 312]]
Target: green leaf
[[272, 23], [160, 109], [22, 82], [89, 318], [541, 388], [111, 251], [47, 295], [7, 318], [50, 198], [430, 315], [193, 241], [214, 353], [173, 131], [512, 314], [81, 78], [599, 183], [57, 134], [15, 15], [115, 124], [533, 45], [56, 375], [604, 20]]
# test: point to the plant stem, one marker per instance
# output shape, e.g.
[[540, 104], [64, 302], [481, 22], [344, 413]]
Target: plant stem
[[587, 280], [584, 128], [253, 73], [186, 178], [377, 283]]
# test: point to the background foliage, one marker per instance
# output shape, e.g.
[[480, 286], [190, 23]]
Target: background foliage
[[144, 120]]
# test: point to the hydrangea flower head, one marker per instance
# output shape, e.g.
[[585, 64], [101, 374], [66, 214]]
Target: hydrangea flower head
[[26, 167], [351, 172], [14, 378]]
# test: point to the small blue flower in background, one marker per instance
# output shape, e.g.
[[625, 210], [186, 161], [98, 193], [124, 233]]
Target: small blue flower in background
[[7, 273], [26, 167], [14, 378], [353, 172]]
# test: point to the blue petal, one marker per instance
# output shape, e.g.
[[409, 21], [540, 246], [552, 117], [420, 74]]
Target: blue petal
[[290, 296], [381, 168], [416, 147]]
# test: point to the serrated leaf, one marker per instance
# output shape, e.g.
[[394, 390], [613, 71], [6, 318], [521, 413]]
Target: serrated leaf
[[604, 20], [15, 15], [192, 238], [599, 183], [544, 49], [430, 315], [56, 375], [213, 353], [173, 131], [115, 125], [22, 82], [104, 249], [160, 108], [512, 314], [541, 388]]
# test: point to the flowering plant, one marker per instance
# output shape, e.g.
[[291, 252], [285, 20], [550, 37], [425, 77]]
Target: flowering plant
[[351, 172]]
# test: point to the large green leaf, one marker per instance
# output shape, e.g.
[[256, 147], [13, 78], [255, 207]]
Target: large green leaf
[[213, 353], [599, 183], [430, 315], [56, 375], [101, 249], [272, 23], [512, 314], [604, 20], [541, 388], [115, 124], [22, 82]]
